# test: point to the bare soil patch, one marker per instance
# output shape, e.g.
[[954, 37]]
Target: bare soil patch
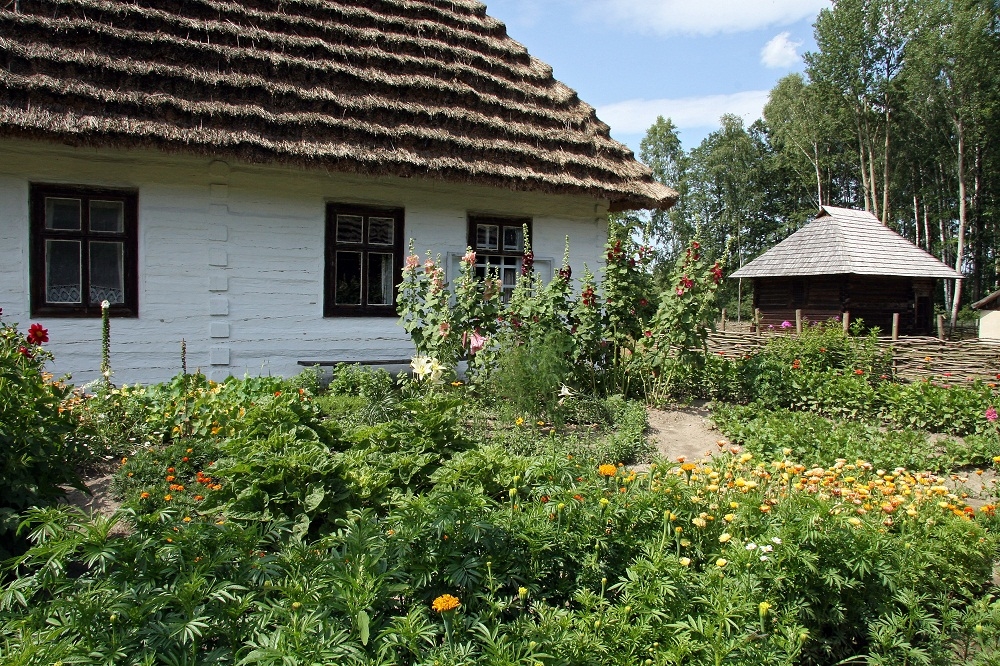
[[683, 431]]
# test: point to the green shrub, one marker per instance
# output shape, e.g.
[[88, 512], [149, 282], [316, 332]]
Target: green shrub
[[38, 454]]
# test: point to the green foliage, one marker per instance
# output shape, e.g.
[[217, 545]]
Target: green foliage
[[37, 452], [529, 376]]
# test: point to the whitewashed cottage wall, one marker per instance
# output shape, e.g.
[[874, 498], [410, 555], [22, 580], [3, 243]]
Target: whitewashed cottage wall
[[231, 257]]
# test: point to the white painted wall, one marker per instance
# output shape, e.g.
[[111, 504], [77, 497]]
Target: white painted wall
[[231, 257], [989, 325]]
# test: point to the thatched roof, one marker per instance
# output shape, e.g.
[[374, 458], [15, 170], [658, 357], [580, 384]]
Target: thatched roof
[[845, 241], [412, 88]]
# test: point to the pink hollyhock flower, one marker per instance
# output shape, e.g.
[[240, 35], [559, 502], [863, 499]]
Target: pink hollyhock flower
[[469, 258], [412, 262], [786, 324], [476, 342], [991, 414], [444, 328], [37, 334]]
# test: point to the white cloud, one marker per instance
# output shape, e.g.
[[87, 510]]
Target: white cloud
[[635, 116], [780, 52], [703, 17]]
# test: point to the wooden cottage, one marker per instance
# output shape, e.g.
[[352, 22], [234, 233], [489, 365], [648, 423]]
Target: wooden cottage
[[247, 175], [847, 261]]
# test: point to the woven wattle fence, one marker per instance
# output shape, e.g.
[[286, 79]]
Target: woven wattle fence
[[914, 357]]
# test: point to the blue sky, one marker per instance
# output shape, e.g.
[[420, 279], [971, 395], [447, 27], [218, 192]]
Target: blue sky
[[690, 60]]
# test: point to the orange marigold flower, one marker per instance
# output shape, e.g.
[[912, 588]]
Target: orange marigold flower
[[184, 459], [187, 519], [144, 496], [198, 498], [168, 497], [689, 467], [445, 603], [607, 470], [170, 470], [859, 371], [170, 477]]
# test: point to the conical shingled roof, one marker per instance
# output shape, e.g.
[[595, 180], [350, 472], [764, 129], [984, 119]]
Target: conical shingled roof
[[845, 241], [412, 88]]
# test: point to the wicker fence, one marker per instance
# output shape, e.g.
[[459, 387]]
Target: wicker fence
[[914, 357]]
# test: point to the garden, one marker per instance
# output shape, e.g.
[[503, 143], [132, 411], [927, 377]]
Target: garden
[[500, 504]]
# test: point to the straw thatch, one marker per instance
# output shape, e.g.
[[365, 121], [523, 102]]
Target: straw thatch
[[842, 241], [412, 88]]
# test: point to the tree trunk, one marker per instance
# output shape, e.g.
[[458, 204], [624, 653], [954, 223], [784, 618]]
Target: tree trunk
[[916, 218], [885, 172], [819, 175], [962, 213]]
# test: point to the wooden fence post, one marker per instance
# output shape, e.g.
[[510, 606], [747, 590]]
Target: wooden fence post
[[798, 322], [723, 326], [756, 319], [940, 327], [847, 323], [895, 326]]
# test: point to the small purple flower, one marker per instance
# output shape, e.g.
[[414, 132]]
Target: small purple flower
[[991, 414], [786, 324]]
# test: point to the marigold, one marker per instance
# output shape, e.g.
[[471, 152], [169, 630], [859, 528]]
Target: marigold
[[144, 496], [445, 603], [607, 470]]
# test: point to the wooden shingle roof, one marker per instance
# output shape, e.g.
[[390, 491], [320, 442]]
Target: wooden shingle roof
[[412, 88], [845, 241]]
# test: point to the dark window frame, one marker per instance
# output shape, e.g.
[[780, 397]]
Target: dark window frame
[[129, 237], [330, 307], [472, 237]]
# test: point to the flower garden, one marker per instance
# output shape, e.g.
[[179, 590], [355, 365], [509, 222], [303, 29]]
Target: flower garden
[[501, 516]]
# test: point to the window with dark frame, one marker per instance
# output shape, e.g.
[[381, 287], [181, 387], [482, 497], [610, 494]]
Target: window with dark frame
[[364, 260], [84, 251], [499, 246]]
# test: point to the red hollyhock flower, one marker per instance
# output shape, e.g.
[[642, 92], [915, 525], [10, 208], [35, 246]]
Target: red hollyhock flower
[[37, 334]]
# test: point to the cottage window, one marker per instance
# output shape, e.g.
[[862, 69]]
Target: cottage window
[[499, 246], [83, 251], [364, 260]]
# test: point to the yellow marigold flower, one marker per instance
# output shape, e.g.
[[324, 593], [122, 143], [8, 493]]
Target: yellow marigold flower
[[187, 519], [854, 520], [519, 421], [689, 467], [604, 501], [725, 537], [721, 562], [763, 607], [445, 603], [607, 470], [698, 522], [685, 561], [729, 517]]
